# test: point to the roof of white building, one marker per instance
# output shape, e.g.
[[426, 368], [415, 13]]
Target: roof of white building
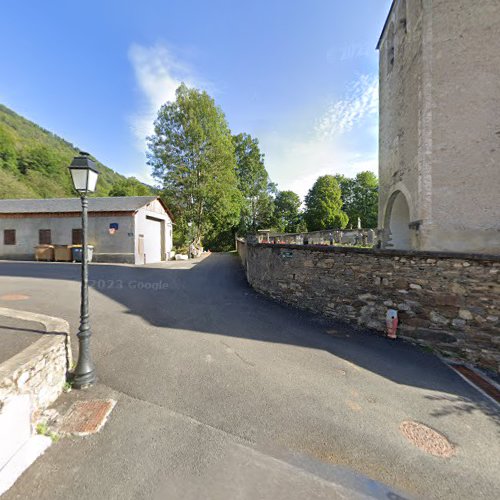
[[53, 205]]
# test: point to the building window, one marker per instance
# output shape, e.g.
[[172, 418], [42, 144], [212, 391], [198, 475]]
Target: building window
[[402, 15], [9, 237], [44, 237], [76, 237], [390, 48]]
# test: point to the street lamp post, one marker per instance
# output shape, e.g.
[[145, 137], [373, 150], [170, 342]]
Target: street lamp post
[[84, 173]]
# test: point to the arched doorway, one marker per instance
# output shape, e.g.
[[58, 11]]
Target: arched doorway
[[397, 221]]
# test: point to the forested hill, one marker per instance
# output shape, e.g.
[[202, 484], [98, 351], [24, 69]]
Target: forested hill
[[34, 162]]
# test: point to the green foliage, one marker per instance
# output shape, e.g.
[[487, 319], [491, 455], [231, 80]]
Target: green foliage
[[8, 153], [34, 162], [11, 186], [324, 205], [301, 226], [43, 429], [287, 217], [130, 187], [40, 158], [360, 198], [193, 157], [253, 182], [222, 241], [182, 234]]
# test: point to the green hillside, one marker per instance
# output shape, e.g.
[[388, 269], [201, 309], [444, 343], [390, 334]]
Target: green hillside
[[34, 162]]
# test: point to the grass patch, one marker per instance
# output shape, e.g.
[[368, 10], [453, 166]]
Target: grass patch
[[43, 430]]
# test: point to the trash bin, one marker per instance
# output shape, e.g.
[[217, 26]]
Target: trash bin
[[62, 253], [77, 251], [44, 252]]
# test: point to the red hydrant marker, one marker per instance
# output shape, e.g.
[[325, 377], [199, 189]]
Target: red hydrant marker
[[391, 322]]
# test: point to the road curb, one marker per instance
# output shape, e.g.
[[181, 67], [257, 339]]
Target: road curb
[[475, 378], [51, 323]]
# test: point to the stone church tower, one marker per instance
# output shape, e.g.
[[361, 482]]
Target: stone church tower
[[440, 126]]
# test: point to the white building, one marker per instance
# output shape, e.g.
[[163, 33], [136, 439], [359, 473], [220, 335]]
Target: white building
[[131, 229]]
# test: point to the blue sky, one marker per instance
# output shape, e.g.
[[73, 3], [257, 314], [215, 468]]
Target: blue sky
[[301, 76]]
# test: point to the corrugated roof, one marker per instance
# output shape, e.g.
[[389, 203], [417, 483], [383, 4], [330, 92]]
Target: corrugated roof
[[52, 205]]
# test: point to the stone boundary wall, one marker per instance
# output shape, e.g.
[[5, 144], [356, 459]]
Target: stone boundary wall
[[450, 302], [241, 248], [40, 370], [365, 237]]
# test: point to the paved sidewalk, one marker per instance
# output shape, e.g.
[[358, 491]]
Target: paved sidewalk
[[16, 335]]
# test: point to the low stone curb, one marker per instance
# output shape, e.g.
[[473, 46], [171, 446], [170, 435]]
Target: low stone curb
[[40, 370]]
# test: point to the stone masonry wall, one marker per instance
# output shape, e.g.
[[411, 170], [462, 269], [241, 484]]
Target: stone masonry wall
[[241, 248], [449, 302], [39, 370]]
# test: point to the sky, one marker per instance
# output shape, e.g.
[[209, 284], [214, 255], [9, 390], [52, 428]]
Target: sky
[[301, 76]]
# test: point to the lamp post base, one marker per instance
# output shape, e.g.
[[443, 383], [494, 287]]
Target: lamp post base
[[85, 380]]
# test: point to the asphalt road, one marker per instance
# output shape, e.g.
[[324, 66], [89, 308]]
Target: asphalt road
[[224, 394]]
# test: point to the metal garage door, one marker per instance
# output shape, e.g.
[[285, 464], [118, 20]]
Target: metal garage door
[[152, 241]]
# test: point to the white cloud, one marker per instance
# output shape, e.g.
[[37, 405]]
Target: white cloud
[[158, 74], [349, 52], [144, 175], [360, 102], [296, 165], [293, 163], [328, 149]]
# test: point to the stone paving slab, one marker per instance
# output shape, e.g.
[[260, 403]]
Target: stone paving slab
[[16, 335]]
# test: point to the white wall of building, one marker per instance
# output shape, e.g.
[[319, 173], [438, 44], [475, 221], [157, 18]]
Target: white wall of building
[[117, 247], [152, 226]]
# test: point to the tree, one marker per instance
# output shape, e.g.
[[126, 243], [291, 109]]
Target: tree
[[286, 216], [360, 198], [34, 162], [8, 153], [192, 156], [129, 187], [40, 158], [324, 205], [253, 182]]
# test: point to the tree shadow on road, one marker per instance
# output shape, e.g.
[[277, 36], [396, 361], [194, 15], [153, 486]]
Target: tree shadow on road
[[214, 297], [461, 406]]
